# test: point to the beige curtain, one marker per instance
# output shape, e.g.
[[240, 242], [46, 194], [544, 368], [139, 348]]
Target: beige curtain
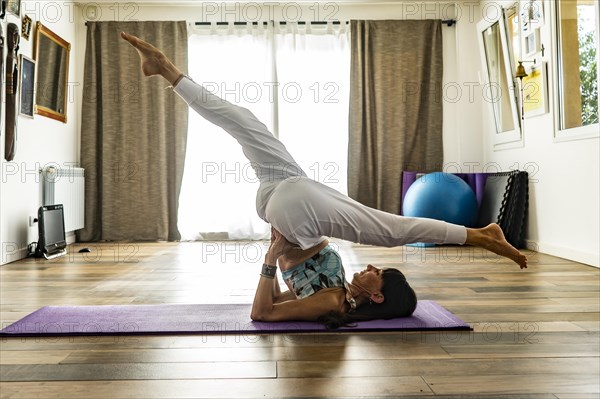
[[395, 107], [133, 135]]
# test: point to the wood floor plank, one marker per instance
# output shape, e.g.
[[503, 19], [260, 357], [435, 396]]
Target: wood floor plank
[[138, 371], [485, 333], [447, 367], [522, 350], [588, 325], [214, 389], [528, 317], [513, 384], [340, 353], [33, 357], [524, 327]]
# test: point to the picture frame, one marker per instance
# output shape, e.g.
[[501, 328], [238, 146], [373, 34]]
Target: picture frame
[[535, 91], [27, 80], [531, 15], [536, 13], [532, 43], [14, 7], [26, 24], [52, 53]]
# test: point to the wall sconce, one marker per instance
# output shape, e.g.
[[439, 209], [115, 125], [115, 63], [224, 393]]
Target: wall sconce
[[522, 73]]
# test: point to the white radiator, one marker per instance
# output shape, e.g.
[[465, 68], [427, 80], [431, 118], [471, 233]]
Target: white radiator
[[66, 186]]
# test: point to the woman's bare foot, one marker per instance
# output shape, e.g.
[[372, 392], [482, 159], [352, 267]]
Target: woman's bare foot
[[492, 238], [154, 62]]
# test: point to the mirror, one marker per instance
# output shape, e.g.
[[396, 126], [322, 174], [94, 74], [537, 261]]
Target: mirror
[[500, 82], [52, 59]]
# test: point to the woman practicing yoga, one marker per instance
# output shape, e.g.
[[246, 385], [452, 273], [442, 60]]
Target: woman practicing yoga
[[303, 212]]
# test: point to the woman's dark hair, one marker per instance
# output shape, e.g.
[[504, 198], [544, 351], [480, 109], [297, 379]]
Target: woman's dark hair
[[399, 300]]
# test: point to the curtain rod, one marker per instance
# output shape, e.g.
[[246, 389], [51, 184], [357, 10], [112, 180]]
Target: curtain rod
[[265, 23], [448, 22]]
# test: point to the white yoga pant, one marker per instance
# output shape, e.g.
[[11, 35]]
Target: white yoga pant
[[303, 210]]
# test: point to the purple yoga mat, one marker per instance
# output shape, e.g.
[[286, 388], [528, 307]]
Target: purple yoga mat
[[201, 319]]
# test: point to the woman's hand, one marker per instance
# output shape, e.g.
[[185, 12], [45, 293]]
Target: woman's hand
[[279, 246]]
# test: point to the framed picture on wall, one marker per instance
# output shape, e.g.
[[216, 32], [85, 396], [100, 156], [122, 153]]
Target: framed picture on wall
[[532, 43], [535, 91], [14, 7], [532, 15], [26, 27], [27, 80]]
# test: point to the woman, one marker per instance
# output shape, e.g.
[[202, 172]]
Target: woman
[[319, 290], [302, 212]]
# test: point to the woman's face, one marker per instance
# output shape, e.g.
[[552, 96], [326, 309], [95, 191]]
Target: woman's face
[[371, 279]]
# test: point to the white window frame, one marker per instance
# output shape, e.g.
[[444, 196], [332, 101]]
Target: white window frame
[[576, 133], [510, 138]]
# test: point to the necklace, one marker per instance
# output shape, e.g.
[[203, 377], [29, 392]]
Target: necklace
[[349, 295], [349, 298]]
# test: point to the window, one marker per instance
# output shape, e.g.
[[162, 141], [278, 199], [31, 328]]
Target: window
[[217, 198], [313, 112], [296, 81], [513, 30], [497, 39], [577, 68]]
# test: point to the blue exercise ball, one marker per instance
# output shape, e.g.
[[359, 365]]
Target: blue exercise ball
[[441, 196]]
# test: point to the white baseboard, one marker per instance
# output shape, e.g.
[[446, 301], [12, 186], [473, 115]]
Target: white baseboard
[[70, 237], [589, 258], [13, 255]]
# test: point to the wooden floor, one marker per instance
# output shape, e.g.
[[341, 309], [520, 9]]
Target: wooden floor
[[536, 332]]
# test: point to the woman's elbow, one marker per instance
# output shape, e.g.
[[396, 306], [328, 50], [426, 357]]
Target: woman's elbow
[[255, 316], [259, 315]]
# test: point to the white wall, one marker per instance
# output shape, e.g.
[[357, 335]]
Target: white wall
[[41, 140], [564, 193]]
